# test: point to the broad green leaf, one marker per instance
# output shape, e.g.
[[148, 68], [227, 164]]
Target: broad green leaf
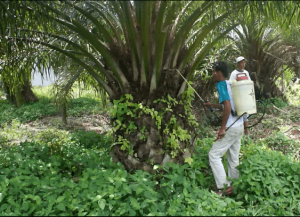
[[132, 212], [60, 199], [134, 203], [185, 192], [61, 206], [295, 167], [37, 199], [148, 194], [102, 203], [97, 198], [139, 190], [25, 206]]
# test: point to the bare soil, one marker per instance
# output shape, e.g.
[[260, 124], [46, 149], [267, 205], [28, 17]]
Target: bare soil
[[98, 123], [101, 124]]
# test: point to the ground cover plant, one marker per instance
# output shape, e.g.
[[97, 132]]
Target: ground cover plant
[[67, 175], [128, 48], [73, 180], [70, 172], [269, 181], [87, 103], [58, 150]]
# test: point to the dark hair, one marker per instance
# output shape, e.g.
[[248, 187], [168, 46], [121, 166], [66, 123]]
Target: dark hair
[[221, 66]]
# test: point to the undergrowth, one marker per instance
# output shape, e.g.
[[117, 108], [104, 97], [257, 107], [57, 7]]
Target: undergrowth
[[71, 173], [43, 108], [70, 177], [63, 173], [84, 104]]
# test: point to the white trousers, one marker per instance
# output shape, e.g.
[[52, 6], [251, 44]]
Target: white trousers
[[230, 143]]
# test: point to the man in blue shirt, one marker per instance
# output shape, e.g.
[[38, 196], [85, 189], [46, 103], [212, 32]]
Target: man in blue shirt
[[229, 142]]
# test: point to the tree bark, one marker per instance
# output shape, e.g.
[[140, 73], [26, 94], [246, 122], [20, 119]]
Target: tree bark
[[151, 142], [154, 149], [28, 94], [64, 114], [20, 95]]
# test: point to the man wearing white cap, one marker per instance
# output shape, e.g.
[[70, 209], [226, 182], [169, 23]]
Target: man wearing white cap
[[240, 65]]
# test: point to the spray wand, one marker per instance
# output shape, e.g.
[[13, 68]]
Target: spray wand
[[210, 108]]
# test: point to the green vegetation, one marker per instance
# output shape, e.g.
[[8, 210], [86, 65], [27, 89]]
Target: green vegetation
[[60, 172], [127, 116], [26, 112], [277, 102], [88, 103], [137, 48], [65, 174], [57, 149], [269, 181], [286, 146]]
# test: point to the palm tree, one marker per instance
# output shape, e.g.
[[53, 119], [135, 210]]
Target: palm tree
[[19, 58], [265, 52], [135, 51], [290, 36], [17, 85]]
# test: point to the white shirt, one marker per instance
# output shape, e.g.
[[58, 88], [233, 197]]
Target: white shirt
[[231, 118], [235, 72]]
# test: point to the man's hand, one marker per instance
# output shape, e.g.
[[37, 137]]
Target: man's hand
[[227, 109], [207, 105], [221, 134]]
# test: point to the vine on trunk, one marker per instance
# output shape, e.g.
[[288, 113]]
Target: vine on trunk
[[166, 126]]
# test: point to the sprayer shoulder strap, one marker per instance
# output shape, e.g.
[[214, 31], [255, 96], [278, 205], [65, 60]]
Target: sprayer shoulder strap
[[233, 112]]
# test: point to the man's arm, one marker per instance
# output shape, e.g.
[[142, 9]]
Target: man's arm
[[213, 105], [226, 113]]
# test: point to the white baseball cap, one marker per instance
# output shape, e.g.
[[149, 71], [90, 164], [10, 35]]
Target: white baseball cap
[[239, 59]]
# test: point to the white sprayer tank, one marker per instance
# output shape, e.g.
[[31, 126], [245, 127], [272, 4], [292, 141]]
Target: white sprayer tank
[[243, 95]]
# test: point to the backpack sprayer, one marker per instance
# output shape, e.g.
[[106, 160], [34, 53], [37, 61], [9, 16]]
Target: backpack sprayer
[[243, 98]]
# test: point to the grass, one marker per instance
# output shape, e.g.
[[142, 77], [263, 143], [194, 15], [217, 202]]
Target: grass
[[76, 92], [87, 103]]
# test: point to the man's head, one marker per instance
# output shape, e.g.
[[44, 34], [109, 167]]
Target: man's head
[[240, 63], [220, 72]]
